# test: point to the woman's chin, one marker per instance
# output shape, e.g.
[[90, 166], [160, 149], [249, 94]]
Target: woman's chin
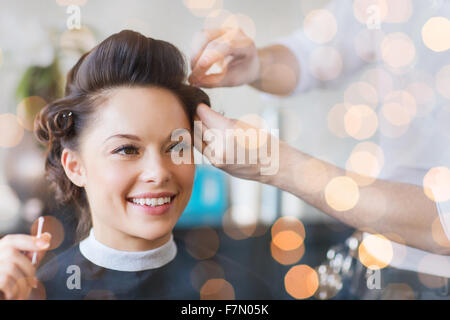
[[154, 232]]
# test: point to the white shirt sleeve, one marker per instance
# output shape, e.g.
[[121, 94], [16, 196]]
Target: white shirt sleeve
[[348, 28], [444, 215]]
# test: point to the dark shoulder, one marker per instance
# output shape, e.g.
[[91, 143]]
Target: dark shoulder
[[57, 263], [246, 283]]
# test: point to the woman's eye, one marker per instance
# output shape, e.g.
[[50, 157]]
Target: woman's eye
[[127, 150], [180, 146]]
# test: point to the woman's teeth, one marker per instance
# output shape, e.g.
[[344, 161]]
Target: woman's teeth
[[152, 202]]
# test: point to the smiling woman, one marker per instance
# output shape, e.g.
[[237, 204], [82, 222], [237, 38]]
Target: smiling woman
[[109, 151]]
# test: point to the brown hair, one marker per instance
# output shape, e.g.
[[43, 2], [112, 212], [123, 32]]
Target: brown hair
[[126, 58]]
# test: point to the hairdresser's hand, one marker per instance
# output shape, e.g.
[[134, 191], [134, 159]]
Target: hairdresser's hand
[[221, 135], [232, 53], [17, 273]]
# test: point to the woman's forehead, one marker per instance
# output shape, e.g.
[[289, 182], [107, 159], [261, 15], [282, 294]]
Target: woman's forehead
[[141, 111]]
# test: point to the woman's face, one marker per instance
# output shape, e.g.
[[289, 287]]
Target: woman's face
[[126, 157]]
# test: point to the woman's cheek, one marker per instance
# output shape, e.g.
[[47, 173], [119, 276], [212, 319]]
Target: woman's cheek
[[111, 179], [186, 176]]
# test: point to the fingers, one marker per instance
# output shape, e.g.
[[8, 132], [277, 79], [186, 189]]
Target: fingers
[[47, 237], [16, 284], [7, 285], [201, 40], [213, 119], [215, 51], [214, 129], [24, 242], [17, 273], [199, 142]]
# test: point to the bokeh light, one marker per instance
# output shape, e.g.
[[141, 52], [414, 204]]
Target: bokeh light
[[399, 251], [205, 270], [361, 93], [342, 193], [373, 149], [201, 8], [424, 96], [217, 289], [216, 18], [436, 184], [289, 223], [202, 242], [396, 113], [365, 163], [287, 240], [301, 281], [325, 63], [311, 176], [380, 79], [335, 119], [32, 209], [239, 222], [362, 164], [361, 122], [288, 234], [375, 251], [398, 291], [286, 257], [320, 26], [436, 34], [443, 81], [388, 129], [243, 22], [399, 107], [53, 226], [11, 132], [398, 50], [399, 11], [28, 109]]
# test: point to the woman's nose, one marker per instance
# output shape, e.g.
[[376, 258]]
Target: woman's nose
[[156, 170]]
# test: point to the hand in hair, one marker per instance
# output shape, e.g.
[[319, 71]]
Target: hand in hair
[[229, 48]]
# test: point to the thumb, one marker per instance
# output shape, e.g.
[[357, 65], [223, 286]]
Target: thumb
[[212, 119]]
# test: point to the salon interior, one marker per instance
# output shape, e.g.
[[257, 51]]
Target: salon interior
[[276, 235]]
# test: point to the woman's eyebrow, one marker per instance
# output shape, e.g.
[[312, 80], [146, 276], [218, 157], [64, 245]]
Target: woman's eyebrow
[[133, 137], [126, 136]]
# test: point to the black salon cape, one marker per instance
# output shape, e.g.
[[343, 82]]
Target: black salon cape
[[169, 282]]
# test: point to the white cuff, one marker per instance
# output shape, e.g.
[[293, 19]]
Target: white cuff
[[444, 215]]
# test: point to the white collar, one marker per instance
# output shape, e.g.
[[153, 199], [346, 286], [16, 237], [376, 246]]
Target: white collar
[[113, 259]]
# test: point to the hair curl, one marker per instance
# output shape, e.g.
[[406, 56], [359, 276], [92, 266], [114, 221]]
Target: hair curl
[[126, 58]]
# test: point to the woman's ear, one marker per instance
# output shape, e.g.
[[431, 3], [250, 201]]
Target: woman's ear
[[73, 167]]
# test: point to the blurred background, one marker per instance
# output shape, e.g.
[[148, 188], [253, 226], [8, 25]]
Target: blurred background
[[267, 230]]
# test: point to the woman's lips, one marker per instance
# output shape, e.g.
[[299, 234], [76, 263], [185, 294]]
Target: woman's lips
[[156, 210]]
